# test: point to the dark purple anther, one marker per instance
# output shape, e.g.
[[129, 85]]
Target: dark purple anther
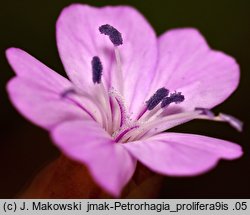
[[96, 70], [114, 35], [173, 98], [159, 95]]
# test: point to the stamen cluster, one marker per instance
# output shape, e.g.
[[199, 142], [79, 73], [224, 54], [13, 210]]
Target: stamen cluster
[[113, 114]]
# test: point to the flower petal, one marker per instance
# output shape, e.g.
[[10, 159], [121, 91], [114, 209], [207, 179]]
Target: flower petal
[[37, 91], [79, 39], [187, 64], [41, 105], [109, 163], [180, 154], [29, 68]]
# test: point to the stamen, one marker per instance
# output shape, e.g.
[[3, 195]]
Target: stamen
[[222, 117], [119, 137], [176, 98], [101, 94], [161, 124], [116, 38], [205, 111], [234, 122], [114, 35], [120, 115], [119, 75], [159, 95], [122, 111], [96, 69]]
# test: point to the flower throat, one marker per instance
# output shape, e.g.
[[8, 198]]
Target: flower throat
[[114, 116]]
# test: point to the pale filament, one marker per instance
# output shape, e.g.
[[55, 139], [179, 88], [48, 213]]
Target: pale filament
[[119, 74]]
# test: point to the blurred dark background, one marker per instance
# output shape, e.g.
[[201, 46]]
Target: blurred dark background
[[25, 148]]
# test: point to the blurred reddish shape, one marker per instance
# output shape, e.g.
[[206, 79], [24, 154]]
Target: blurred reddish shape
[[67, 179]]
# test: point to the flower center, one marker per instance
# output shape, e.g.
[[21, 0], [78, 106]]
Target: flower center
[[111, 110]]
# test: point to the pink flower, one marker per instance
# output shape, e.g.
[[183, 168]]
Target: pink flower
[[126, 87]]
